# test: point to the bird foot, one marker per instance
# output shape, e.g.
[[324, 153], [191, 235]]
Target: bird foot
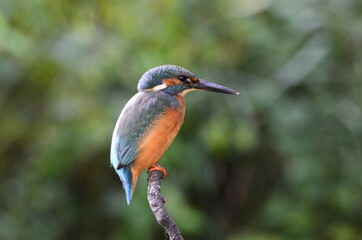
[[157, 167]]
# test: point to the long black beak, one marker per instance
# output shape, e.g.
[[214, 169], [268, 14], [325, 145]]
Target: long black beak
[[213, 87]]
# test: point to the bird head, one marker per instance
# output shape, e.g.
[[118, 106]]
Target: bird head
[[176, 80]]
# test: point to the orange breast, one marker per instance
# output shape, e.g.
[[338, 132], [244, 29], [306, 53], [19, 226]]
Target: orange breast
[[158, 139]]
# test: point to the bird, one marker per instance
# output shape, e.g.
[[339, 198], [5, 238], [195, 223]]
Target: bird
[[150, 121]]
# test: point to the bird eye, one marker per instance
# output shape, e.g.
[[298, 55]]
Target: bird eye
[[185, 79], [182, 78], [188, 81]]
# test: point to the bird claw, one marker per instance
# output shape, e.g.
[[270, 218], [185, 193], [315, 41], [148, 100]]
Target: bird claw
[[157, 167]]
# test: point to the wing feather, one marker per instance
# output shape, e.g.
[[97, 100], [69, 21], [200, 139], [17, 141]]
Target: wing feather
[[136, 117]]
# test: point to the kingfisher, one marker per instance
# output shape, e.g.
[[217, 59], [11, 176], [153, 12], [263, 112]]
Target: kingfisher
[[150, 121]]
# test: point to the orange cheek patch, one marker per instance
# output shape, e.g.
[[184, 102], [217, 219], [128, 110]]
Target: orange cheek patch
[[194, 80], [171, 82]]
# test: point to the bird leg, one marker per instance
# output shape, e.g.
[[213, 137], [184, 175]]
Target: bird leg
[[157, 167]]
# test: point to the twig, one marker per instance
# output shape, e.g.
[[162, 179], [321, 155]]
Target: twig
[[156, 201]]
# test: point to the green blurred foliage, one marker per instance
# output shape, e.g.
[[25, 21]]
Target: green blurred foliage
[[282, 160]]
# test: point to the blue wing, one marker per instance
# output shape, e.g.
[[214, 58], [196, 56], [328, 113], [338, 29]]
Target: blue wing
[[136, 117]]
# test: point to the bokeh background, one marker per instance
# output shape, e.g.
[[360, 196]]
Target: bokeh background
[[283, 160]]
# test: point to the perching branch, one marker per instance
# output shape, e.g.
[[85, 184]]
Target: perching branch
[[156, 201]]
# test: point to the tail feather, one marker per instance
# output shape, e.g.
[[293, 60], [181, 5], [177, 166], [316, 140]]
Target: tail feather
[[125, 174]]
